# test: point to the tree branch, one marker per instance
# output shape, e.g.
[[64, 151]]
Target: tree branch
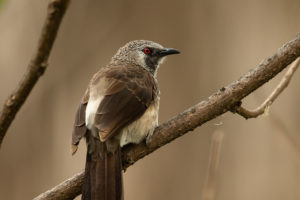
[[68, 189], [277, 91], [220, 102], [36, 67]]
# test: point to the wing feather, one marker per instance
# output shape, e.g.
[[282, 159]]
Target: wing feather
[[125, 100], [79, 129]]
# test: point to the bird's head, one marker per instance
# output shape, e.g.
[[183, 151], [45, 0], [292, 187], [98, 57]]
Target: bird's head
[[146, 54]]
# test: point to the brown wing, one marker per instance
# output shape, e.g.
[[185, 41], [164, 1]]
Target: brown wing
[[79, 129], [129, 94]]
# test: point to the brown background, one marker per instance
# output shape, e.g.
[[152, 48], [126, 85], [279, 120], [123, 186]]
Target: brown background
[[219, 41]]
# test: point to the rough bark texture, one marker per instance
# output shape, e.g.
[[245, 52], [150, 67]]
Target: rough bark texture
[[36, 67], [68, 189], [224, 100]]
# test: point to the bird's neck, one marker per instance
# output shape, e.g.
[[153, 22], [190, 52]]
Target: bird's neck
[[116, 61]]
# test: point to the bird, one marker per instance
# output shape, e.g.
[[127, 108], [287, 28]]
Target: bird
[[120, 106]]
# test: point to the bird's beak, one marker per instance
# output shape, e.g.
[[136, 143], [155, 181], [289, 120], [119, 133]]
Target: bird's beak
[[168, 51]]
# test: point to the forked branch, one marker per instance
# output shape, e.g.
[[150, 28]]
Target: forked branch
[[264, 107]]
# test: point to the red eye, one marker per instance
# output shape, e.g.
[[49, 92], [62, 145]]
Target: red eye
[[147, 51]]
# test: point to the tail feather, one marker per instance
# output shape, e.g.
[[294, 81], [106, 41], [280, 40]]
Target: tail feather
[[103, 174]]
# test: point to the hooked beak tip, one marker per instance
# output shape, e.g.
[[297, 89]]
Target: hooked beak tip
[[168, 51]]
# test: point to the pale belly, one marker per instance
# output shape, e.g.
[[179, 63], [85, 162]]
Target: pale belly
[[141, 128]]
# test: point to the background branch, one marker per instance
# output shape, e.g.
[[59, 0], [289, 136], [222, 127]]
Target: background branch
[[220, 102], [209, 189], [36, 67]]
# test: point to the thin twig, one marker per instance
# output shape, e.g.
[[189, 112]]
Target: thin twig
[[209, 189], [267, 103], [220, 102], [36, 67]]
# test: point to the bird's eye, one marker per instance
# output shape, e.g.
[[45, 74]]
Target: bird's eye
[[147, 51]]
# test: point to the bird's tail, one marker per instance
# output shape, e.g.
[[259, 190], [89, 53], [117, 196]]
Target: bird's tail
[[103, 173]]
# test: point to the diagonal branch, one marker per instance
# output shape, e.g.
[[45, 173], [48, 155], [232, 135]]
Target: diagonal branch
[[220, 102], [36, 67], [267, 103]]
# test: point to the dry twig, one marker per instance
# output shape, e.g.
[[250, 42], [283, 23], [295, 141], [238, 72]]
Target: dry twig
[[36, 67], [267, 103], [220, 102], [209, 189]]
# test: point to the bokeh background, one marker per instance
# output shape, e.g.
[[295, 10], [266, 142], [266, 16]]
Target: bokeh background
[[219, 41]]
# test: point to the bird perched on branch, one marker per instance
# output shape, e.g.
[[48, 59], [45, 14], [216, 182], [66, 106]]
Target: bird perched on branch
[[120, 106]]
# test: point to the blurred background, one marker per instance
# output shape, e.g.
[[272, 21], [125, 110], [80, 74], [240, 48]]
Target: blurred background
[[219, 41]]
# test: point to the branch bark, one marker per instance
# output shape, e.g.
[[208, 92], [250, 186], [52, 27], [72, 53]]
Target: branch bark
[[36, 67], [68, 189], [224, 100]]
